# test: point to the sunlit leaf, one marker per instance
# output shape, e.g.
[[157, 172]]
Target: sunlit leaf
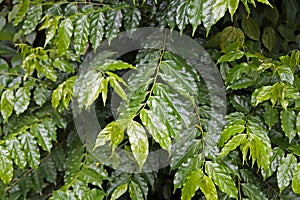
[[285, 171], [6, 166]]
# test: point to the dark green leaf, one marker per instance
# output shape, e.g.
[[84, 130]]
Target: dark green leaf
[[132, 18], [252, 192], [97, 23], [43, 136], [64, 35], [7, 104], [270, 116], [22, 100], [243, 82], [251, 28], [48, 169], [94, 194], [287, 33], [195, 14], [81, 33], [181, 16], [113, 24], [6, 166], [288, 121], [171, 14], [236, 73], [139, 142], [115, 65], [285, 171], [269, 37], [221, 178]]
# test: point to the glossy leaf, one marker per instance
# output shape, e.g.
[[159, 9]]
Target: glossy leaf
[[40, 94], [232, 144], [296, 180], [171, 14], [208, 187], [298, 123], [236, 73], [285, 171], [32, 19], [31, 150], [135, 191], [195, 14], [97, 23], [252, 191], [139, 142], [116, 65], [64, 65], [81, 33], [64, 35], [181, 16], [285, 73], [6, 166], [119, 191], [232, 6], [117, 87], [231, 56], [191, 185], [221, 178], [132, 18], [23, 6], [16, 152], [7, 104], [113, 24], [288, 121], [270, 116], [42, 135], [22, 100], [156, 128], [231, 130]]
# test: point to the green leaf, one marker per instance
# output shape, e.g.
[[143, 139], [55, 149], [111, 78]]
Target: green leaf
[[252, 192], [7, 104], [270, 116], [116, 65], [119, 191], [6, 166], [49, 170], [139, 142], [178, 78], [185, 170], [42, 135], [22, 100], [219, 8], [288, 121], [221, 178], [232, 144], [208, 15], [49, 72], [171, 14], [117, 87], [50, 33], [278, 153], [251, 28], [31, 150], [135, 191], [64, 35], [271, 13], [94, 194], [23, 6], [132, 18], [97, 23], [113, 24], [298, 123], [157, 129], [296, 180], [195, 14], [231, 56], [40, 94], [269, 37], [262, 94], [92, 175], [181, 16], [191, 185], [32, 19], [81, 33], [208, 187], [232, 6], [285, 171], [287, 33], [236, 73], [63, 65], [243, 82], [285, 73], [16, 152], [231, 130]]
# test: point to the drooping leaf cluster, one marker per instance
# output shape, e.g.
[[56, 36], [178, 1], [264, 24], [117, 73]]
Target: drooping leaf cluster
[[165, 103]]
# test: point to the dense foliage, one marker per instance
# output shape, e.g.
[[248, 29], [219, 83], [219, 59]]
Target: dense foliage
[[253, 154]]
